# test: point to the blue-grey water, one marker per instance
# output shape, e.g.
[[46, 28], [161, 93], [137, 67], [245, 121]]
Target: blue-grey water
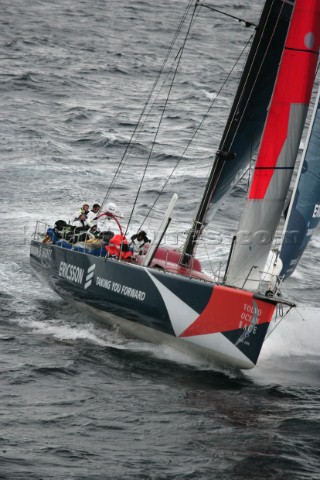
[[78, 401]]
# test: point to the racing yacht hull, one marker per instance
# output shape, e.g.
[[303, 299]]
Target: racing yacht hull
[[213, 320]]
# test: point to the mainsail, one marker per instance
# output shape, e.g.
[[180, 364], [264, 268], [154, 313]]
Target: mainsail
[[304, 212], [279, 146], [245, 124]]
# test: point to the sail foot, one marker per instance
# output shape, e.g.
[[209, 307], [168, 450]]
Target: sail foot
[[253, 244]]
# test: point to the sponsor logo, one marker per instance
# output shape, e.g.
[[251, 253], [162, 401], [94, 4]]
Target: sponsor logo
[[71, 272], [40, 251], [103, 283], [133, 293], [250, 316], [121, 289], [90, 273]]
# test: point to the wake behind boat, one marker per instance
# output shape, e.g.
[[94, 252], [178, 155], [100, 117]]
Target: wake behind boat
[[162, 293]]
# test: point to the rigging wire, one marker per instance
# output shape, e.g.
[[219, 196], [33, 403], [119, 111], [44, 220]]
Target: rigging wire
[[283, 316], [246, 22], [283, 289], [138, 124], [302, 317], [180, 53], [197, 129]]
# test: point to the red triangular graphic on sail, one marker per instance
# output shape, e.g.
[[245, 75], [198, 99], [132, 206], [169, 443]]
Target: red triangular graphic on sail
[[300, 55]]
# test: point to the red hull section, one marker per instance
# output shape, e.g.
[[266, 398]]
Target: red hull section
[[230, 309]]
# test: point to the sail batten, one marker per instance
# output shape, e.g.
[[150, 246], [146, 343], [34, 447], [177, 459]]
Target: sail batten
[[279, 145]]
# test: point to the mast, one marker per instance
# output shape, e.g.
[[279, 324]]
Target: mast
[[244, 127], [279, 146]]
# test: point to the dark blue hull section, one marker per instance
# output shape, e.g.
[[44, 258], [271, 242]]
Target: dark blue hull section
[[224, 323], [108, 288]]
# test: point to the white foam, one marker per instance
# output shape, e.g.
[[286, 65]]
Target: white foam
[[210, 95], [290, 355], [297, 334], [63, 332]]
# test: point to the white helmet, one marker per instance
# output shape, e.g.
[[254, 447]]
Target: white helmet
[[111, 208]]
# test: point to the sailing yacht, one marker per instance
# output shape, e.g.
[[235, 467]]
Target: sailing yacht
[[163, 295]]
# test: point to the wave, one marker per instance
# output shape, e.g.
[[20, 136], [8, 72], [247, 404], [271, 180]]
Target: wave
[[290, 355]]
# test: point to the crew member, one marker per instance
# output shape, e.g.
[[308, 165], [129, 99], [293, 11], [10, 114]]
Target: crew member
[[118, 248], [81, 222], [91, 216], [84, 209], [138, 241]]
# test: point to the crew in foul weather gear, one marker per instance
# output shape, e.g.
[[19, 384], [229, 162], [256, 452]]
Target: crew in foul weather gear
[[91, 216], [119, 248]]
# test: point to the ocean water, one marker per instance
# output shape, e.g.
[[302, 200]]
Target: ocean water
[[78, 401]]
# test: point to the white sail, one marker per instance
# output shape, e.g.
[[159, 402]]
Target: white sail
[[303, 214], [244, 127], [278, 150]]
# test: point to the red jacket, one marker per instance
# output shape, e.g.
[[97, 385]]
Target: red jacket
[[118, 244]]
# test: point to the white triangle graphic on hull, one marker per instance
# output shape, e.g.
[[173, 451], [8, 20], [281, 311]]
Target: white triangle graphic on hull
[[223, 349], [181, 315]]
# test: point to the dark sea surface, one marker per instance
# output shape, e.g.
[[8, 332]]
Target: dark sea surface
[[78, 401]]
